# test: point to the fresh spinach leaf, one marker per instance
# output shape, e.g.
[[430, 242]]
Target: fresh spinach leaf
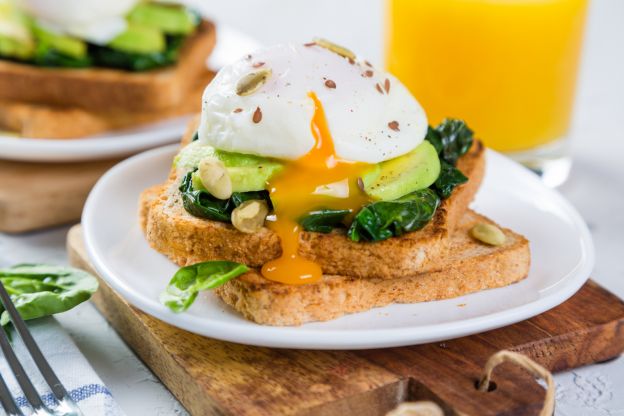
[[39, 290], [188, 281], [452, 138], [384, 219], [202, 204], [324, 220], [449, 178]]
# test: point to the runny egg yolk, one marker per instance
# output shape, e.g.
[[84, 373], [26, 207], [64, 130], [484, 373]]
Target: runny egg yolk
[[301, 188]]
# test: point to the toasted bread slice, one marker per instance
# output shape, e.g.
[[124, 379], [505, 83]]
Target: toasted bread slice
[[186, 239], [61, 122], [471, 266], [101, 89]]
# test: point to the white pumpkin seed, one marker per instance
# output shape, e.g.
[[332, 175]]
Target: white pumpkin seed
[[252, 81], [488, 233]]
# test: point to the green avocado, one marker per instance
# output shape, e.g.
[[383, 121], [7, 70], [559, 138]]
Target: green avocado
[[65, 45], [247, 172], [173, 20], [139, 39], [14, 48], [400, 176]]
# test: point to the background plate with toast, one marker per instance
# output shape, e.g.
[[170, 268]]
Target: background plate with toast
[[561, 248]]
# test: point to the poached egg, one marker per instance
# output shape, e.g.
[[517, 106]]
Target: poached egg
[[326, 113], [95, 21], [371, 115]]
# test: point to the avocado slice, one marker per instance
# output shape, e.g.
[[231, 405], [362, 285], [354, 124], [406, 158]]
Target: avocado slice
[[394, 178], [139, 39], [15, 48], [247, 172], [173, 20], [16, 40], [65, 45]]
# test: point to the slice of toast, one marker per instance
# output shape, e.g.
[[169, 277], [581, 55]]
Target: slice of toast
[[61, 122], [102, 89], [186, 239], [471, 266]]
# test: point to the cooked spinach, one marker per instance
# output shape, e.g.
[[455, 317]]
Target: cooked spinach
[[188, 281], [384, 219], [323, 220], [202, 204], [39, 290], [451, 139], [449, 178], [195, 136]]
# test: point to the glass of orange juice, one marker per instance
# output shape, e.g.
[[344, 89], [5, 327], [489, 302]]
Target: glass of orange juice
[[507, 67]]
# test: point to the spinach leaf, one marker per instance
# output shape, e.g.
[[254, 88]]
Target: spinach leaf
[[39, 290], [449, 178], [202, 204], [451, 138], [384, 219], [324, 220], [188, 281]]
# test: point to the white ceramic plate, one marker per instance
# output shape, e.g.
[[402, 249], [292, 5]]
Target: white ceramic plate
[[561, 247], [231, 45]]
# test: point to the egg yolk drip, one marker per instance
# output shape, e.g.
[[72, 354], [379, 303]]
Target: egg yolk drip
[[317, 180]]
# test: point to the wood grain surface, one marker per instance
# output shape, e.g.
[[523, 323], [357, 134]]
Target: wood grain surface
[[215, 377], [38, 195]]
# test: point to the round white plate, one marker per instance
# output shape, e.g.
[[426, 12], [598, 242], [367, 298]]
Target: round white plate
[[561, 247], [231, 45], [104, 146]]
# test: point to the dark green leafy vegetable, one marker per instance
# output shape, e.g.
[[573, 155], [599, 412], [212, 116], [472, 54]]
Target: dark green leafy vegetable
[[38, 290], [202, 204], [384, 219], [324, 220], [188, 281], [451, 138], [195, 136], [449, 178]]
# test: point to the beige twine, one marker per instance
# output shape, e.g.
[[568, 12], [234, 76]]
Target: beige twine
[[528, 364], [426, 408]]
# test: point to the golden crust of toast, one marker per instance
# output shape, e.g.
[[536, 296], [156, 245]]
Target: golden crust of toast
[[61, 122], [469, 267], [101, 89], [186, 239]]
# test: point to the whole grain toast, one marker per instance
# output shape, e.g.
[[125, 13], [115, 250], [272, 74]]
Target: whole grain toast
[[103, 89], [186, 239], [62, 122], [470, 266]]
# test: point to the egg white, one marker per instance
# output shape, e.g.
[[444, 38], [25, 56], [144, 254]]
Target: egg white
[[358, 114], [96, 21]]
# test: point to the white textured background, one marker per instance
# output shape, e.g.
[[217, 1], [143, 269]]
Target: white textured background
[[596, 186]]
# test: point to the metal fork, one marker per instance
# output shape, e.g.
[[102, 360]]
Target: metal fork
[[66, 406]]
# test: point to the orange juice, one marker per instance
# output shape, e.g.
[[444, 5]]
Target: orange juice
[[507, 67]]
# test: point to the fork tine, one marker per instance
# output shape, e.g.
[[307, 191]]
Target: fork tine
[[8, 404], [20, 375], [68, 406]]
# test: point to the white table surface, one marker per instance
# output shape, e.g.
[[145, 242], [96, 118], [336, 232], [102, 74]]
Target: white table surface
[[596, 188]]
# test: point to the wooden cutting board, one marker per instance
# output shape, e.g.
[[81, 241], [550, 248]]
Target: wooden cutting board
[[38, 195], [212, 377]]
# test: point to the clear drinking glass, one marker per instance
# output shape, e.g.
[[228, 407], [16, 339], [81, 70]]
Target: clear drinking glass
[[507, 67]]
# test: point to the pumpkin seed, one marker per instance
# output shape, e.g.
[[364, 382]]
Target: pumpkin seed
[[340, 50], [489, 234], [215, 178], [249, 216], [252, 81]]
